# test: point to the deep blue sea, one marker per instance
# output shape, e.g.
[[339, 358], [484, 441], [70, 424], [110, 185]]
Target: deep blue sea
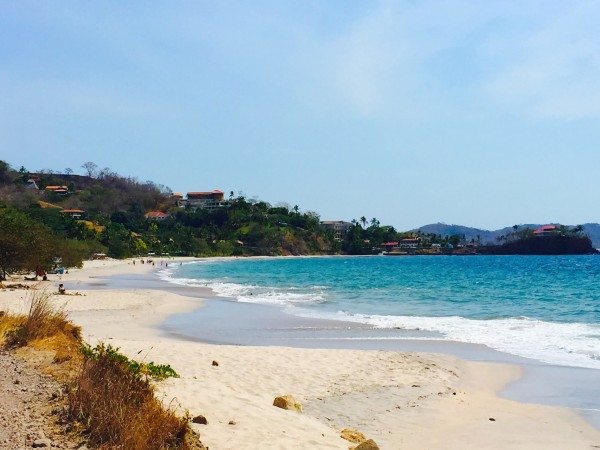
[[541, 307]]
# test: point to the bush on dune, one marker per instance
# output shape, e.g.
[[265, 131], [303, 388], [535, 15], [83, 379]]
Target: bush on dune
[[110, 395], [116, 404], [44, 320]]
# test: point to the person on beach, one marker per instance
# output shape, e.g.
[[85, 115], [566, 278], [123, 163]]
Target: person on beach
[[61, 289]]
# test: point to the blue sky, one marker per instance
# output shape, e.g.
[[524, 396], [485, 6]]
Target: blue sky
[[481, 113]]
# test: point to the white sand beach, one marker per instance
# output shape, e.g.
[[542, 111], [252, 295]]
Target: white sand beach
[[400, 400]]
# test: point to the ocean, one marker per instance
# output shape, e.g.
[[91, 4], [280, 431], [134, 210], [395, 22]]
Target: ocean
[[546, 308]]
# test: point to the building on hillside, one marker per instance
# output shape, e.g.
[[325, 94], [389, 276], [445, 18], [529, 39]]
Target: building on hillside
[[31, 184], [410, 243], [546, 230], [156, 216], [204, 200], [339, 228], [389, 246], [73, 213], [60, 190]]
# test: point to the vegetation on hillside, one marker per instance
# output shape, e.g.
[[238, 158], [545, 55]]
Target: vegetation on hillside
[[38, 235]]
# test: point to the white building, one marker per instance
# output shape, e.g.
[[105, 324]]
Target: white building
[[339, 228]]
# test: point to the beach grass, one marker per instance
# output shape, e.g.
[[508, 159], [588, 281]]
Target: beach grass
[[110, 398], [116, 403]]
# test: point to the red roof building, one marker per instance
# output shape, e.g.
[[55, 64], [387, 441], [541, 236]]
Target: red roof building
[[204, 199], [62, 190], [212, 195], [546, 230], [156, 215]]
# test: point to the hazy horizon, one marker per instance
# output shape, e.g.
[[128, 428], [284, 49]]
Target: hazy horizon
[[478, 114]]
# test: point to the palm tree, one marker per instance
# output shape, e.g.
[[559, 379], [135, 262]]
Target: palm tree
[[363, 220]]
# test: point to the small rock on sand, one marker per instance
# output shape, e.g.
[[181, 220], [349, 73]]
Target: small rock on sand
[[200, 419], [287, 402], [232, 422], [367, 445], [352, 435], [42, 443], [214, 363]]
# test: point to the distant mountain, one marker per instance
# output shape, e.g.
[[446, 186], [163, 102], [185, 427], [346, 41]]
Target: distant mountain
[[593, 232], [491, 236]]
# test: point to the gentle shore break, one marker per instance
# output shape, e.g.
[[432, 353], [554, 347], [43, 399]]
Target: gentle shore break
[[400, 400]]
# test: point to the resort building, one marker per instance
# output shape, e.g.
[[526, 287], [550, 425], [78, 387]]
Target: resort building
[[73, 213], [546, 230], [60, 190], [410, 243], [389, 246], [176, 197], [339, 228], [205, 200], [156, 216]]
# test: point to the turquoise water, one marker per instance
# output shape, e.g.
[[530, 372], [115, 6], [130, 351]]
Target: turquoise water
[[541, 307]]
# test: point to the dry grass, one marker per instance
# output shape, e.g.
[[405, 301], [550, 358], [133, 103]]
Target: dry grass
[[43, 321], [9, 323], [115, 405], [118, 407]]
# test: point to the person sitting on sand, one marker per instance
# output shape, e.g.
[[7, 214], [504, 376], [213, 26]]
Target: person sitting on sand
[[61, 289]]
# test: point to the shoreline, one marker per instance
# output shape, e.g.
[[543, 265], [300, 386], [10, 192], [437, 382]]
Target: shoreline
[[364, 389], [563, 386]]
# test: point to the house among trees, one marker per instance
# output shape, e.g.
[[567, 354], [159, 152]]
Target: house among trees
[[60, 190], [339, 228], [546, 230], [73, 213], [31, 184], [205, 200], [156, 216], [176, 197], [410, 243], [389, 246]]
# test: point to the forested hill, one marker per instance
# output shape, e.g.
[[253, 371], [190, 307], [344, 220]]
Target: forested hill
[[50, 219], [105, 212], [592, 230]]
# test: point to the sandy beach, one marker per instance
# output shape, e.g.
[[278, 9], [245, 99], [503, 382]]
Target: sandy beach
[[400, 400]]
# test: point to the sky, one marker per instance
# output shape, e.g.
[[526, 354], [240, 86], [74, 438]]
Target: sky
[[482, 113]]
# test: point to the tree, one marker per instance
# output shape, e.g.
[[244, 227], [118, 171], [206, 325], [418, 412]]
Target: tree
[[68, 171], [118, 240], [25, 244], [577, 230], [24, 174], [454, 239], [4, 173], [363, 220], [90, 168]]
